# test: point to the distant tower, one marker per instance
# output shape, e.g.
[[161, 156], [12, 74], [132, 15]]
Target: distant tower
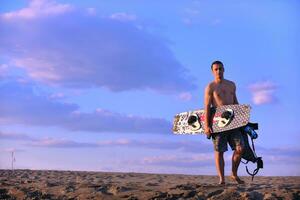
[[13, 159]]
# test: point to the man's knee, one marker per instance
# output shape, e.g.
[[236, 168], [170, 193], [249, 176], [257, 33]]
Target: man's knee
[[239, 149]]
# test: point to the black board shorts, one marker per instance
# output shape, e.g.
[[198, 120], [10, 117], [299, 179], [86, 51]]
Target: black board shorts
[[233, 137]]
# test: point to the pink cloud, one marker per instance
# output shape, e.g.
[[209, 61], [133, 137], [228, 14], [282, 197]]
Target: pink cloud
[[76, 50], [3, 69], [37, 69], [185, 96], [263, 92], [38, 8]]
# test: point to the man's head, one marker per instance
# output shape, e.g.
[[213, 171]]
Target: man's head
[[217, 69]]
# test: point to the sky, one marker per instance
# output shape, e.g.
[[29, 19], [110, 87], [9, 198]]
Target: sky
[[94, 85]]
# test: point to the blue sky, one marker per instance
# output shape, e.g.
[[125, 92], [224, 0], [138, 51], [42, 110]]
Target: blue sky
[[94, 85]]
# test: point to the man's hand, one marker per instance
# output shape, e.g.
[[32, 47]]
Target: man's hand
[[208, 131]]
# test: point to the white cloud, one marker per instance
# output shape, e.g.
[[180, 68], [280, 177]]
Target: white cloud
[[123, 16], [191, 15], [263, 92]]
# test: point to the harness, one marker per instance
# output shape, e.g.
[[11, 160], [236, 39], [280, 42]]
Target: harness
[[249, 153]]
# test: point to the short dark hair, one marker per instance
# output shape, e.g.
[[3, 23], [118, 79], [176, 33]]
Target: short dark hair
[[216, 62]]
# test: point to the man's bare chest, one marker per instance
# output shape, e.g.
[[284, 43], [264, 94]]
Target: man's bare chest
[[223, 92]]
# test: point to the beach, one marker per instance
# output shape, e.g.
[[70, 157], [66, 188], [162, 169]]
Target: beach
[[51, 184]]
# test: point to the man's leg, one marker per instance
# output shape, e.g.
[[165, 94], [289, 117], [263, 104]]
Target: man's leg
[[236, 159], [236, 142], [220, 146], [219, 159]]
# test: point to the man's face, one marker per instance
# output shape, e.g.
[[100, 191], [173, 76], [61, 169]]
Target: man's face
[[218, 71]]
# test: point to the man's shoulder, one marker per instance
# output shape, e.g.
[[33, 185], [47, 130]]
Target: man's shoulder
[[209, 88], [210, 85], [229, 82]]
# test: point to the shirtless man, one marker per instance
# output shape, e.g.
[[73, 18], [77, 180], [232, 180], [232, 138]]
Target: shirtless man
[[217, 93]]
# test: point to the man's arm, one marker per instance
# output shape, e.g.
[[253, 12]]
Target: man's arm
[[235, 101], [207, 104]]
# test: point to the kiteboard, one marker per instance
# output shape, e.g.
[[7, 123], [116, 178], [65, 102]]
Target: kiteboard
[[223, 118]]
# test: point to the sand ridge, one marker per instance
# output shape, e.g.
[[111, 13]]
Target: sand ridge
[[71, 185]]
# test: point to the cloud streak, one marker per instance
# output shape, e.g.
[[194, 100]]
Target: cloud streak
[[14, 136], [193, 161], [22, 104], [183, 146], [61, 143]]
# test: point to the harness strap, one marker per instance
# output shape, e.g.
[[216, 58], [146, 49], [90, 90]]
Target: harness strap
[[253, 147], [258, 161], [252, 174], [245, 162], [260, 165]]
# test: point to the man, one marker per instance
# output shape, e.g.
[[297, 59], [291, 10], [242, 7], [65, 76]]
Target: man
[[217, 93]]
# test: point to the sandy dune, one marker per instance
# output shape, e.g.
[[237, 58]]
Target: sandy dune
[[35, 184]]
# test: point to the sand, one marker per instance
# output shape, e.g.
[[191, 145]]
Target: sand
[[44, 184]]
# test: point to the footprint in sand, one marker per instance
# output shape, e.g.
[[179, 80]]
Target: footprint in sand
[[216, 192], [152, 184], [184, 187], [110, 189]]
